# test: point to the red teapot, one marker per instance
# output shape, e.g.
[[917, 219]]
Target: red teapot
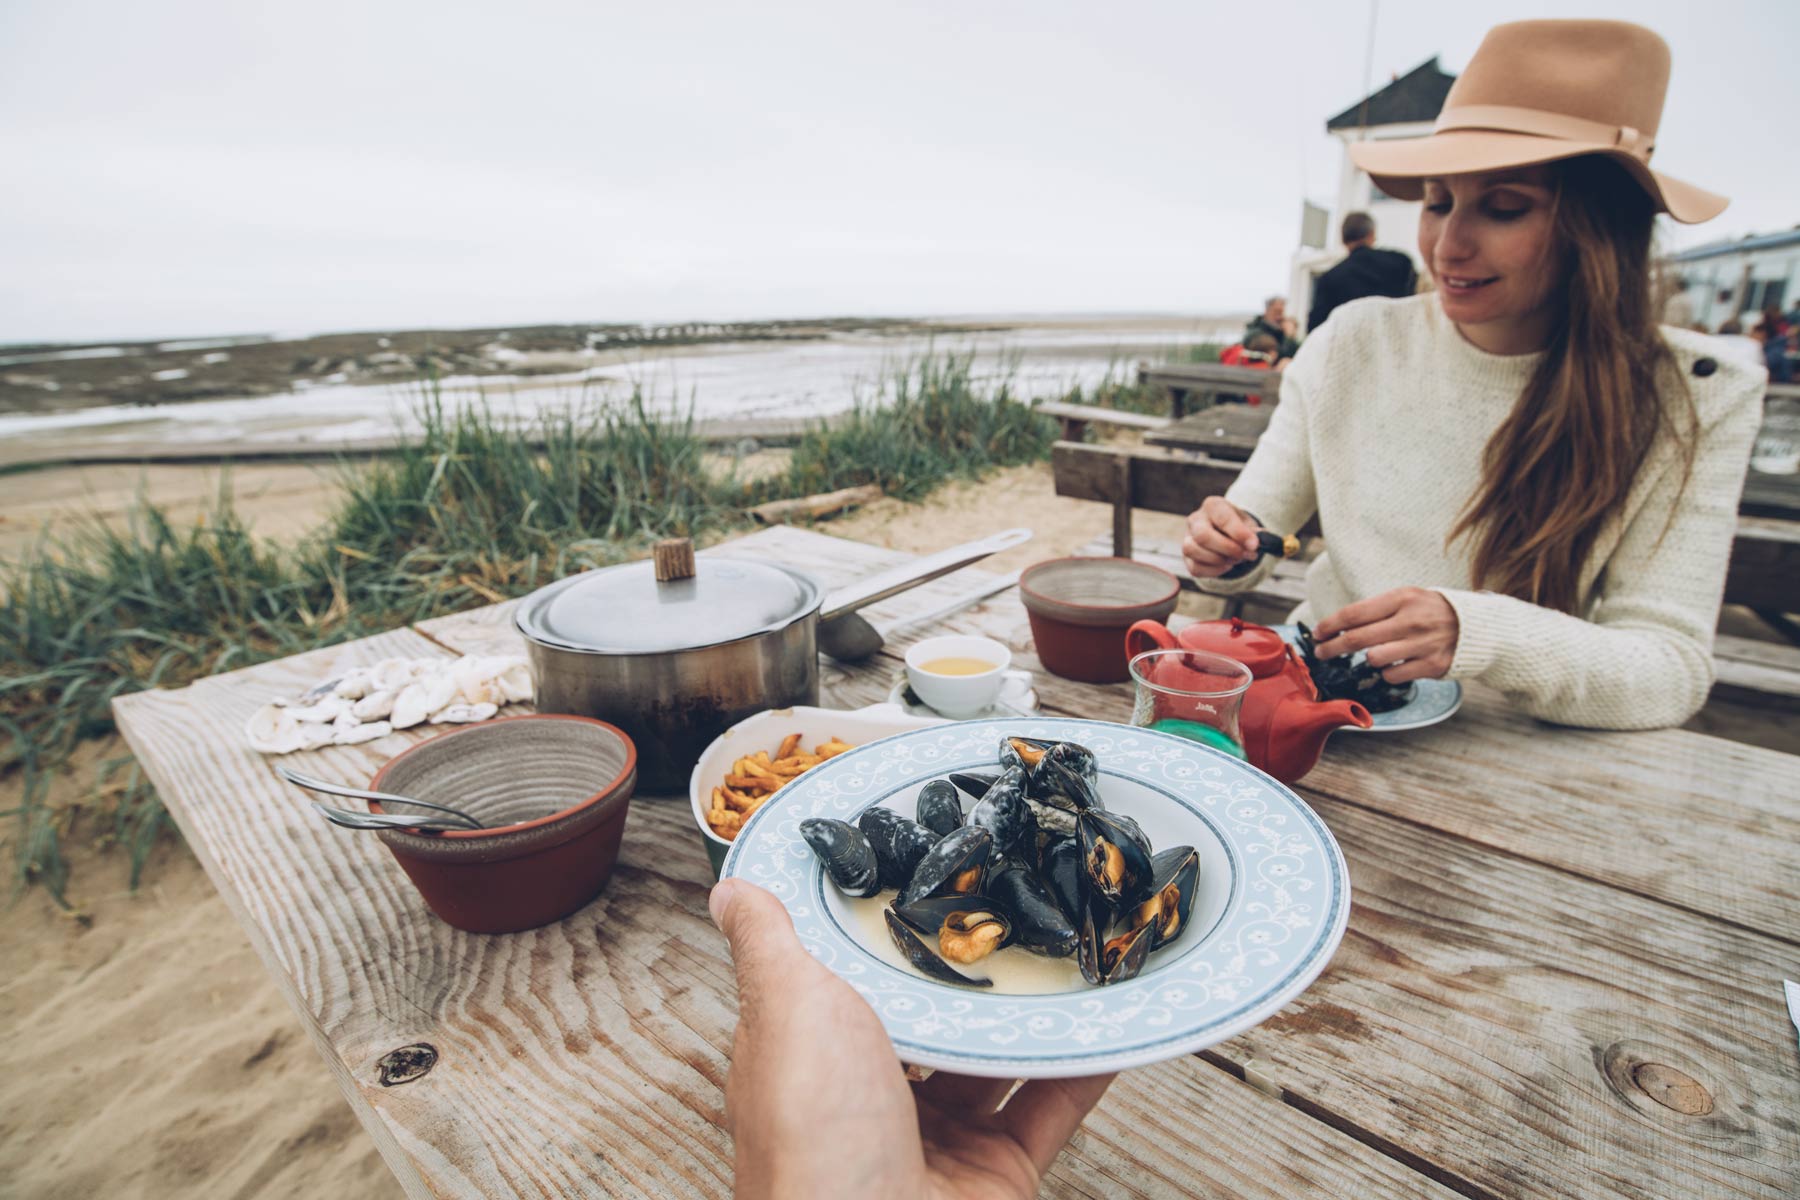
[[1284, 722]]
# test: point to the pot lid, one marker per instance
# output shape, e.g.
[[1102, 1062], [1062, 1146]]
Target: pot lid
[[1256, 646], [674, 602]]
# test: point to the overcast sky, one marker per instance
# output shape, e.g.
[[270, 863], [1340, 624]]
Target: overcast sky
[[187, 168]]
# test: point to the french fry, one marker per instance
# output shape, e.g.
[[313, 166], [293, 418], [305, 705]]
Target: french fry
[[832, 749], [752, 767], [749, 783], [756, 777], [788, 744]]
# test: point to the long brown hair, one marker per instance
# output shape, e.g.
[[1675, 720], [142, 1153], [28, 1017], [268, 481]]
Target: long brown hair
[[1565, 458]]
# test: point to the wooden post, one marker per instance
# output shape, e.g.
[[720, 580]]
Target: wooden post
[[1122, 507]]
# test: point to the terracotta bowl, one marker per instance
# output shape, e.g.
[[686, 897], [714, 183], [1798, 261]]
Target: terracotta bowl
[[553, 791], [1080, 609]]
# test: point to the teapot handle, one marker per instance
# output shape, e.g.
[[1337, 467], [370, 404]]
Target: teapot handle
[[1146, 636]]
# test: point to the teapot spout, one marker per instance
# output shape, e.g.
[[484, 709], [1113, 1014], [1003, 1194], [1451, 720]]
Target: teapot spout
[[1323, 716], [1146, 636]]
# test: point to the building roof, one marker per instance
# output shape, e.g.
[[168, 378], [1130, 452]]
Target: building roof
[[1414, 96], [1750, 241]]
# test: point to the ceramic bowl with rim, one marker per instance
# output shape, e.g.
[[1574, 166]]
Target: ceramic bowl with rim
[[553, 791], [1080, 609]]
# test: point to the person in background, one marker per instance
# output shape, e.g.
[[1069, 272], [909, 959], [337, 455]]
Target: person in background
[[1259, 352], [1776, 334], [1740, 345], [1365, 271], [1522, 478], [818, 1103], [1275, 322]]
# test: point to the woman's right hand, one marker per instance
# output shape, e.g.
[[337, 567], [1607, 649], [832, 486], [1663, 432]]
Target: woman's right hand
[[1219, 537]]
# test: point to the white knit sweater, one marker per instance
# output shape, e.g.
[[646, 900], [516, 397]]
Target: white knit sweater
[[1380, 429]]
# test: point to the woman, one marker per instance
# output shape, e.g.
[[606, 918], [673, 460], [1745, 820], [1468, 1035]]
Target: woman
[[1521, 479]]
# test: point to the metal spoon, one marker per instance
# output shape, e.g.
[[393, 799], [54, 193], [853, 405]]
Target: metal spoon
[[313, 784], [356, 820]]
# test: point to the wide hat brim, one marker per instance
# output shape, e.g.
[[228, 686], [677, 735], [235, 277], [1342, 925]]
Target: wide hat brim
[[1400, 167]]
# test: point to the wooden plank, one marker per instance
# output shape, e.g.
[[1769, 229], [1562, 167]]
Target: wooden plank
[[1766, 674], [1765, 565], [1228, 431], [1653, 812], [1162, 480], [588, 1058], [1097, 415], [1775, 496], [1519, 1032]]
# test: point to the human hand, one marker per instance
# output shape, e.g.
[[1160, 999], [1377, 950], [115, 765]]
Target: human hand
[[1219, 537], [818, 1104], [1412, 627]]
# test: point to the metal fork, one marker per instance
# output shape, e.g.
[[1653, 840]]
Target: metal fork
[[314, 784]]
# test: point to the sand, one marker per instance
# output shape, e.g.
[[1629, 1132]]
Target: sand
[[144, 1050]]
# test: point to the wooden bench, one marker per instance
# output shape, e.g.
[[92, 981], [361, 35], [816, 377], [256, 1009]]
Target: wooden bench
[[1764, 574], [1205, 381], [1076, 418]]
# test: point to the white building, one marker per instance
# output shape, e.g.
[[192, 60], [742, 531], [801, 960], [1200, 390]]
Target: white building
[[1405, 108], [1739, 278]]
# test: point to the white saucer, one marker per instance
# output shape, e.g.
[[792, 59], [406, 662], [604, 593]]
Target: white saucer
[[1017, 699]]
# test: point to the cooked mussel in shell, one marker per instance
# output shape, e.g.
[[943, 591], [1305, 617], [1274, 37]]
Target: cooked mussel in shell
[[973, 784], [1106, 960], [845, 853], [957, 866], [1039, 923], [1174, 879], [1059, 866], [1115, 858], [967, 928], [1022, 752], [1002, 811], [940, 809], [898, 843], [924, 956]]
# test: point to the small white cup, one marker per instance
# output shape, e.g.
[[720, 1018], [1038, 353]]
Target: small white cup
[[957, 695]]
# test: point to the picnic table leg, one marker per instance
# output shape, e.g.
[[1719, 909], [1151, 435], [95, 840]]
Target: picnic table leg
[[1122, 508], [1781, 623]]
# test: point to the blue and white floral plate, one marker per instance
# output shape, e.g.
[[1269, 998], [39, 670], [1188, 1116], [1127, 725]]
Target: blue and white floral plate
[[1273, 901], [1433, 700]]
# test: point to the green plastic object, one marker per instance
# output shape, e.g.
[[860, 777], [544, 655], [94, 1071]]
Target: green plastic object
[[1194, 731]]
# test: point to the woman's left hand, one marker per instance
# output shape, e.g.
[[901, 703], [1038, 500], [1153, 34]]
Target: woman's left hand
[[1411, 627]]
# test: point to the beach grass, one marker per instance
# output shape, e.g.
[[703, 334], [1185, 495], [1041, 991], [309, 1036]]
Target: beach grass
[[475, 511]]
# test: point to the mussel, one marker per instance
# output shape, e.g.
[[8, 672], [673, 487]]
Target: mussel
[[957, 865], [899, 844], [1059, 865], [1068, 776], [1114, 960], [1174, 878], [1039, 923], [939, 808], [923, 956], [1022, 752], [1115, 858], [1002, 812], [848, 858], [967, 928], [973, 784]]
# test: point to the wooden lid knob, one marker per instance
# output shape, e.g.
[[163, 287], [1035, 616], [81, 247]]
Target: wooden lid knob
[[674, 559]]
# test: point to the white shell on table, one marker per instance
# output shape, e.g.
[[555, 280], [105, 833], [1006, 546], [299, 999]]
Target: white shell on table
[[367, 731], [463, 714], [272, 731], [314, 734], [328, 708], [514, 682], [374, 706], [357, 684], [392, 674]]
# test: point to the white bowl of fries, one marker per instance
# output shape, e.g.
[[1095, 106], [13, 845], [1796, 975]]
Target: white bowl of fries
[[751, 761]]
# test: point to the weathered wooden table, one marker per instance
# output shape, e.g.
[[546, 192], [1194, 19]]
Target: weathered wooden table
[[1562, 975], [1223, 431]]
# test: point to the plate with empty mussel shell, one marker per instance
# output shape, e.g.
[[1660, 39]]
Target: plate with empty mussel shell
[[1044, 897]]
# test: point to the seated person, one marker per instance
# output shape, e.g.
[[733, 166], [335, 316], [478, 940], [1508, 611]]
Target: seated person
[[1259, 352]]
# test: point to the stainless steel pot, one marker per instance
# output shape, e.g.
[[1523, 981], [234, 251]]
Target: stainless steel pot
[[677, 650]]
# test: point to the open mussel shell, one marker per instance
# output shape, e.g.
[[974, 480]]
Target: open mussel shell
[[1003, 813], [923, 956], [1022, 752], [1059, 866], [940, 809], [967, 928], [957, 865], [973, 784], [1105, 961], [1174, 879], [1057, 822], [899, 844], [1039, 923], [1115, 858], [1060, 785], [845, 853]]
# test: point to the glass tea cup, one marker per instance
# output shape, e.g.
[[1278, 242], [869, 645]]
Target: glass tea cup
[[1191, 694]]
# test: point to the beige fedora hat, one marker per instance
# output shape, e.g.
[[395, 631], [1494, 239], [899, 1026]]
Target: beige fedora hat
[[1538, 91]]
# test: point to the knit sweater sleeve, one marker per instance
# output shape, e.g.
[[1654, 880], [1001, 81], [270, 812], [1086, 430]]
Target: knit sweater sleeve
[[1276, 485], [1643, 657]]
